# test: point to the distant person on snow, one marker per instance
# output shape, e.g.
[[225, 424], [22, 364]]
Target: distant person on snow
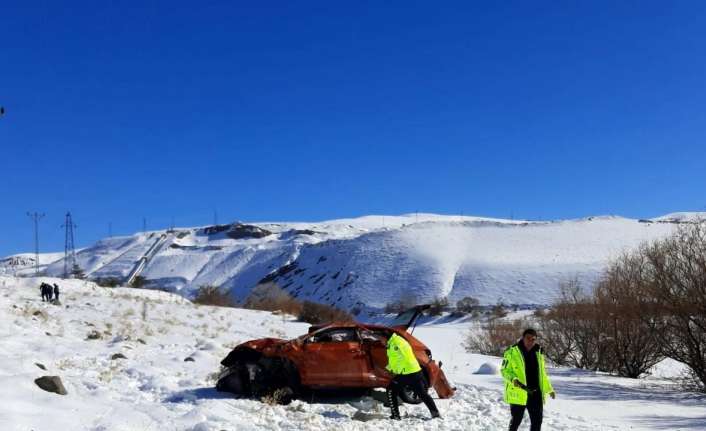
[[526, 382], [56, 291], [49, 292], [406, 371], [43, 290]]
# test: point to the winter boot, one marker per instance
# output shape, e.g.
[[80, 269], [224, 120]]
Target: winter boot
[[394, 407]]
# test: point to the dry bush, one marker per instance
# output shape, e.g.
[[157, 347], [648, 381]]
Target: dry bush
[[498, 311], [316, 313], [574, 330], [467, 305], [404, 303], [138, 282], [494, 337], [107, 282], [438, 306], [650, 304], [677, 290], [213, 295], [630, 316], [269, 297]]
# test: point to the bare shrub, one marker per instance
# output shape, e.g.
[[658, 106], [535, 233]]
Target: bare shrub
[[138, 282], [213, 295], [498, 311], [406, 301], [438, 306], [269, 297], [316, 313], [630, 316], [467, 305], [573, 330], [678, 290], [494, 337], [107, 282]]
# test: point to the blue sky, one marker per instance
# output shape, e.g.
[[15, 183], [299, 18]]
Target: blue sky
[[319, 110]]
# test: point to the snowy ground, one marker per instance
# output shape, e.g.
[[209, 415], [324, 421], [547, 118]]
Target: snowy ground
[[155, 389]]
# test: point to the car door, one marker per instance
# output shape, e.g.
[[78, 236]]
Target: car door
[[333, 358], [375, 347]]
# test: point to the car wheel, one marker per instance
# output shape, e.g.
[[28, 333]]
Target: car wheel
[[408, 396], [232, 381]]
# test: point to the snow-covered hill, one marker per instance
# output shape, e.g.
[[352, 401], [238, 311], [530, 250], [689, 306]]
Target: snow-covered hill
[[155, 387], [371, 261]]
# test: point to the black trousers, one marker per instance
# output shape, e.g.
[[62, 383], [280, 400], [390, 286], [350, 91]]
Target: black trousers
[[414, 381], [535, 409]]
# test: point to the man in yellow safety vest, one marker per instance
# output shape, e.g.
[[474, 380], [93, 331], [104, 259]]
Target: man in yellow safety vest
[[526, 382], [403, 365]]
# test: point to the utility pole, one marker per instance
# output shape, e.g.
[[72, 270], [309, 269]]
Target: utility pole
[[110, 229], [144, 224], [69, 249], [215, 218], [35, 216]]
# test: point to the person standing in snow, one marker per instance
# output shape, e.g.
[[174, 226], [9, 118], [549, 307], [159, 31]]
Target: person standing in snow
[[43, 290], [56, 291], [526, 382], [406, 371]]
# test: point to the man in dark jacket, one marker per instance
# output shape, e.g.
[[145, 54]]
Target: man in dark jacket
[[56, 291], [43, 290], [526, 382]]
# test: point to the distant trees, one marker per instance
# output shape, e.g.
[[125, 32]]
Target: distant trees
[[438, 306], [213, 295], [467, 305], [107, 281], [138, 282], [270, 297]]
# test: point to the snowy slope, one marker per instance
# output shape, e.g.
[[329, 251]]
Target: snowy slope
[[371, 261], [155, 389]]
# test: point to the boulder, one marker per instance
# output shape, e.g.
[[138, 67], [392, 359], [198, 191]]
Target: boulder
[[94, 335], [51, 384]]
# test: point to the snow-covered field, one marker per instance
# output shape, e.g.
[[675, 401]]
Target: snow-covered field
[[155, 389], [368, 262]]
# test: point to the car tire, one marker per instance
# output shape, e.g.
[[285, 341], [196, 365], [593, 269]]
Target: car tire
[[232, 382], [408, 396]]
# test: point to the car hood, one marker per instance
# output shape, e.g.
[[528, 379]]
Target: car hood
[[252, 350], [262, 343]]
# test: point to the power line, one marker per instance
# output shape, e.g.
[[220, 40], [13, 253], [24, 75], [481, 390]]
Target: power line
[[35, 216]]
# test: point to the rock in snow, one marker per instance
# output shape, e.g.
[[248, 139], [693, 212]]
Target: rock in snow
[[51, 384]]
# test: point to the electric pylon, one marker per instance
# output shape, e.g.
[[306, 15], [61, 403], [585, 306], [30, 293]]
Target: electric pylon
[[69, 250]]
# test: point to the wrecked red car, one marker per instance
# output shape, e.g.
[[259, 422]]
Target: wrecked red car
[[342, 355]]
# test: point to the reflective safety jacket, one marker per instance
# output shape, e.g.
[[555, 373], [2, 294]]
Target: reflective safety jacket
[[400, 357], [514, 368]]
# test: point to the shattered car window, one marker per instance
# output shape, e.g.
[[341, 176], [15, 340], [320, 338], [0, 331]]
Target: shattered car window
[[368, 335], [334, 336]]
